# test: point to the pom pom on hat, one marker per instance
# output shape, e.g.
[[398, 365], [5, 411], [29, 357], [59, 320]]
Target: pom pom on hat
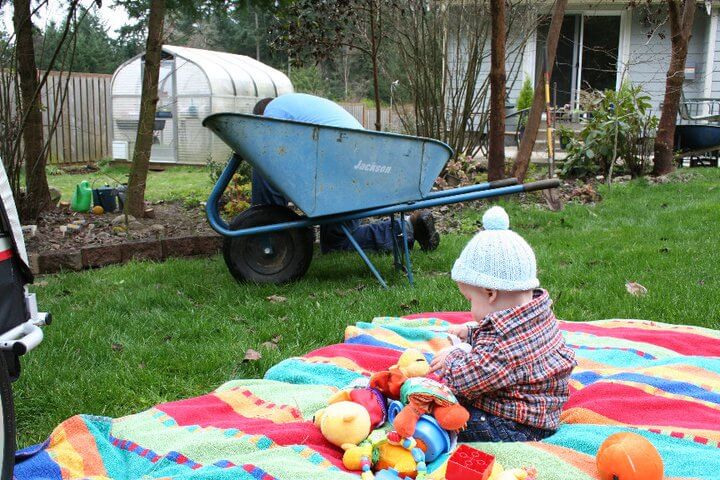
[[497, 257], [496, 218]]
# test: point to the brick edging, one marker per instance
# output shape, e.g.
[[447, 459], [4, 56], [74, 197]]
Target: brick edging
[[101, 256]]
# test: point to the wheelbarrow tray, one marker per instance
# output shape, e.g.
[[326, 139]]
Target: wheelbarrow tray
[[329, 170], [696, 138]]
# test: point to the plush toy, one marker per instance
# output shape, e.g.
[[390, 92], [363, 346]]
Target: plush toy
[[412, 363], [351, 415], [344, 423], [420, 395], [629, 456]]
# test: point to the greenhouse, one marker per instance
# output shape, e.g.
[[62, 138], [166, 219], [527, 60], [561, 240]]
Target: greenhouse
[[193, 84]]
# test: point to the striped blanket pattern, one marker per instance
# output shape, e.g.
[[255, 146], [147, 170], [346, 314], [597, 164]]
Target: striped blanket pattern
[[659, 380]]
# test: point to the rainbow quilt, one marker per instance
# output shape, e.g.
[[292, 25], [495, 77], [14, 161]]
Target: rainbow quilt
[[660, 380]]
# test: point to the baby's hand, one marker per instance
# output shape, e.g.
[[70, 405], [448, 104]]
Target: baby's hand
[[438, 361], [460, 331]]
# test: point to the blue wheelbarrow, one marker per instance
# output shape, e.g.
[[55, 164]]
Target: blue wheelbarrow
[[333, 175]]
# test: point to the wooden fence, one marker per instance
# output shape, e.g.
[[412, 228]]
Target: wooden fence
[[82, 134], [84, 128], [366, 116]]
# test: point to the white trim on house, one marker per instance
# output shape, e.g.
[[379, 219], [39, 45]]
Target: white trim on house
[[624, 48], [529, 58], [710, 53]]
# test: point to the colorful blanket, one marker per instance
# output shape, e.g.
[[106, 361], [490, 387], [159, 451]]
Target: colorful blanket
[[660, 380]]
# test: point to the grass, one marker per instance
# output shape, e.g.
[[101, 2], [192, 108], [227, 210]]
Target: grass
[[128, 337], [175, 183]]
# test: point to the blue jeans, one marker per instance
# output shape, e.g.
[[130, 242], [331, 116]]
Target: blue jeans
[[485, 427], [371, 236]]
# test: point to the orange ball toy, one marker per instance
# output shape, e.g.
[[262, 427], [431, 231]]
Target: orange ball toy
[[628, 456]]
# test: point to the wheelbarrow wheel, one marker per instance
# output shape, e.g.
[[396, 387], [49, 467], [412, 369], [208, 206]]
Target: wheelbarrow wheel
[[273, 257]]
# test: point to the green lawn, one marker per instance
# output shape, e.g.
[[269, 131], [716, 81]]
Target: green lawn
[[172, 184], [128, 337]]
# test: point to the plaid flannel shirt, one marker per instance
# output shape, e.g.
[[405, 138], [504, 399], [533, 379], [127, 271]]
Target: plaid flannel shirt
[[518, 367]]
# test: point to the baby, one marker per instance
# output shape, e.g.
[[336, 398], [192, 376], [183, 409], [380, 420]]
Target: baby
[[512, 370]]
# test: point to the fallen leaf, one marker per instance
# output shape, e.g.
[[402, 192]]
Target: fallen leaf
[[276, 299], [701, 282], [252, 355], [167, 338], [664, 250], [118, 347], [41, 283], [276, 339], [635, 289], [342, 293], [269, 345], [412, 303], [141, 365]]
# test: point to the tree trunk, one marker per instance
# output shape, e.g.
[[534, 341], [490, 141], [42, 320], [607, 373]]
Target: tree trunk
[[37, 197], [681, 29], [522, 162], [135, 204], [374, 40], [257, 37], [496, 150]]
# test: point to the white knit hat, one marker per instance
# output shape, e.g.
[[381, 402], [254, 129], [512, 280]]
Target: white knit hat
[[496, 257]]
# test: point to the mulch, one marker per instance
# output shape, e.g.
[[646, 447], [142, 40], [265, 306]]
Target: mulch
[[174, 231], [171, 220]]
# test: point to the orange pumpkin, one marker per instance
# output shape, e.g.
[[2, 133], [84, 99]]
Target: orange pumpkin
[[628, 456]]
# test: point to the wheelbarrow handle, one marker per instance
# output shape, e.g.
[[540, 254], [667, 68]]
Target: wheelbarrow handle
[[212, 208], [541, 185], [506, 182]]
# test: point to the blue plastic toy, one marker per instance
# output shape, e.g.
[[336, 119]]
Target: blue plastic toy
[[427, 430], [389, 474]]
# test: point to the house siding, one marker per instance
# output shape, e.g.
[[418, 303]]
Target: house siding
[[650, 57], [716, 65]]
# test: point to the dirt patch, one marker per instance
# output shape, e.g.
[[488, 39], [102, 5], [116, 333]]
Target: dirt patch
[[448, 217], [171, 220]]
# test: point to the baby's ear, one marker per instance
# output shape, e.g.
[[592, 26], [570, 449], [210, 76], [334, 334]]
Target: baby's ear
[[492, 295]]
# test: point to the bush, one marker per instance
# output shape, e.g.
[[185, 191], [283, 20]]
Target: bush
[[526, 95], [237, 195], [594, 151]]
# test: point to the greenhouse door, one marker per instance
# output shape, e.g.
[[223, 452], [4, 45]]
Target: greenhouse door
[[164, 146]]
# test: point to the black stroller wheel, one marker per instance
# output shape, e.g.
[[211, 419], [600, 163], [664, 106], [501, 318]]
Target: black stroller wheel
[[7, 429], [273, 257]]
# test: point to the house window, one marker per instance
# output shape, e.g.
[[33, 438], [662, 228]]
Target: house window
[[586, 56]]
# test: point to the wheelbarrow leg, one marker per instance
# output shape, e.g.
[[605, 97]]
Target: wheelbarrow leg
[[406, 249], [360, 251]]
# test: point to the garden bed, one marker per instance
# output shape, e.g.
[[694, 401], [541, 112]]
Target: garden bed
[[66, 240]]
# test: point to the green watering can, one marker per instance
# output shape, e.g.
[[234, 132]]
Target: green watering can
[[82, 198]]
